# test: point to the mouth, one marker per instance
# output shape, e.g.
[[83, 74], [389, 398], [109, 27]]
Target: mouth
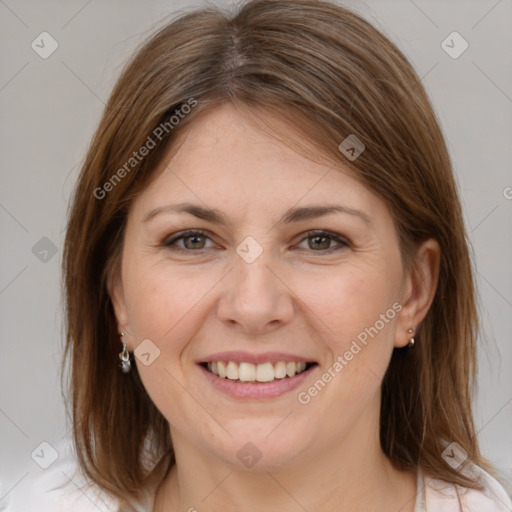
[[244, 375], [263, 373]]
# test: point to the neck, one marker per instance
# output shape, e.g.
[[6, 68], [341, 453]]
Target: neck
[[352, 475]]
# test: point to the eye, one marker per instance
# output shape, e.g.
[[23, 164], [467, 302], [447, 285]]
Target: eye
[[320, 241], [192, 240], [195, 240]]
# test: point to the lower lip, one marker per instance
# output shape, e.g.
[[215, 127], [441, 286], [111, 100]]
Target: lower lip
[[256, 390]]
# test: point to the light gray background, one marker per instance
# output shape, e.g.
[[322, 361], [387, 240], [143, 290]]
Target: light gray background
[[50, 108]]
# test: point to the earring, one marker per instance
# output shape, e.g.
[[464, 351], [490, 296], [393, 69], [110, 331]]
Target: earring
[[125, 365], [411, 339]]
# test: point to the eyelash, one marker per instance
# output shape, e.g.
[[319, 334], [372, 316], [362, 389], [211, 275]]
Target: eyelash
[[169, 243]]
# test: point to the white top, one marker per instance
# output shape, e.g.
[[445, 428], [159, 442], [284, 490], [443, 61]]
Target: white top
[[435, 495], [61, 488]]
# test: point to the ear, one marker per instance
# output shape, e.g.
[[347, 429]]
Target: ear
[[419, 289], [116, 293]]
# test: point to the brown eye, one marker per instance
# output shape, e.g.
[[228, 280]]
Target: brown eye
[[322, 241], [194, 242], [319, 242], [191, 241]]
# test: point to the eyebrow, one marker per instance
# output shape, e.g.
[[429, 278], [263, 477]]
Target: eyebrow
[[298, 214]]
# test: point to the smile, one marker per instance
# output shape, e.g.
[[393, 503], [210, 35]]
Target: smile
[[249, 372]]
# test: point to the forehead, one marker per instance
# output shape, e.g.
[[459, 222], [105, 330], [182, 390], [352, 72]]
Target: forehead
[[227, 139], [224, 159]]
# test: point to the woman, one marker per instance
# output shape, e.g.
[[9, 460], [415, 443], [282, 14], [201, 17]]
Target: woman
[[270, 303]]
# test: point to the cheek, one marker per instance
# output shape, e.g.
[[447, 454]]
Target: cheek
[[350, 302], [356, 313], [163, 306], [159, 300]]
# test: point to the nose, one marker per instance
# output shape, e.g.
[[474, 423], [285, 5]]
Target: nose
[[255, 298]]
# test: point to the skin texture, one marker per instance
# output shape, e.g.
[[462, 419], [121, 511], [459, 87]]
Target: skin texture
[[301, 296]]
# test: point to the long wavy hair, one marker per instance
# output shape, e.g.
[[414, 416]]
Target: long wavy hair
[[330, 74]]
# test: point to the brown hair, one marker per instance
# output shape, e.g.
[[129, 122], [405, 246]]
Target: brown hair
[[328, 71]]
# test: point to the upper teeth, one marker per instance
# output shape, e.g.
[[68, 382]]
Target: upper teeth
[[248, 372]]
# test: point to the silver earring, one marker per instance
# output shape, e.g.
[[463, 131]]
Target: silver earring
[[125, 365], [411, 339]]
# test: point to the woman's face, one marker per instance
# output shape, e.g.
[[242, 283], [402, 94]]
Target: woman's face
[[260, 288]]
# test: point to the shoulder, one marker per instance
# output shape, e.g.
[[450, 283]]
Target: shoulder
[[59, 488], [62, 487], [441, 496]]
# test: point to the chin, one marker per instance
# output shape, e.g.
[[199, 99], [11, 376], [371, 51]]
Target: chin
[[262, 445]]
